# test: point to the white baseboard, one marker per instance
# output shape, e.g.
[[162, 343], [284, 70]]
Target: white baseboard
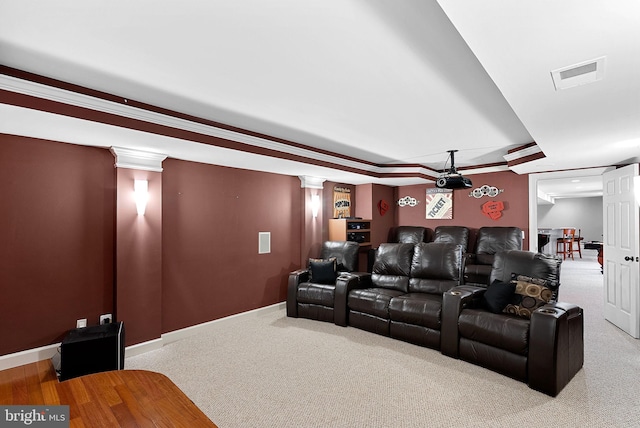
[[46, 352], [27, 357], [183, 333]]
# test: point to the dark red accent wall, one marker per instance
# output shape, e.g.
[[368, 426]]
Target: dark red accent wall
[[211, 219], [65, 241], [467, 211], [369, 196], [57, 239], [192, 258]]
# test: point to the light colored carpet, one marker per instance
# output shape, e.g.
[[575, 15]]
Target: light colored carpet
[[263, 369]]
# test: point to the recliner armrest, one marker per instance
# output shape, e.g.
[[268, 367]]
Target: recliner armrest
[[371, 258], [470, 258], [453, 301], [295, 278], [346, 282], [556, 346]]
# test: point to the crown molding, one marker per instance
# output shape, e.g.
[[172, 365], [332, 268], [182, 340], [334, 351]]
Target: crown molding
[[39, 90], [143, 117]]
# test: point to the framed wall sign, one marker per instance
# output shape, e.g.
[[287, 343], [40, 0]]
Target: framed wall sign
[[341, 202], [439, 204]]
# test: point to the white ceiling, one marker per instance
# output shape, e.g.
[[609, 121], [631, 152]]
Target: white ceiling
[[384, 82], [578, 186]]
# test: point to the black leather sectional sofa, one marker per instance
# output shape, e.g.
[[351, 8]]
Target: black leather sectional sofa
[[416, 292]]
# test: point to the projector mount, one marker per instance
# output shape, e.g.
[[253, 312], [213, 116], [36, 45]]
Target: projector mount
[[452, 169], [451, 179]]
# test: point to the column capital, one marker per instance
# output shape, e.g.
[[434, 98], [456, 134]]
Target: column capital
[[307, 182], [136, 159]]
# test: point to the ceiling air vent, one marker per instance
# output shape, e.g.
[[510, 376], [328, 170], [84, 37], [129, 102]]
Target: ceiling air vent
[[578, 74]]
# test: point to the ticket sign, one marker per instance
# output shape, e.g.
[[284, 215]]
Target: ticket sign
[[493, 209], [439, 203]]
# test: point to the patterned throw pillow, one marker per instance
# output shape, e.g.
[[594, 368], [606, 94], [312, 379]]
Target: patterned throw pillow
[[530, 294], [323, 271]]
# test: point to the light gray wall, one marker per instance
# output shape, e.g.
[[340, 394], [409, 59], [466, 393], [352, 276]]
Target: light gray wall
[[582, 213]]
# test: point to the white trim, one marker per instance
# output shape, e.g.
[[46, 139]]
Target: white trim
[[45, 352], [28, 356], [136, 159], [174, 336], [528, 151], [141, 348], [307, 182], [39, 90], [484, 170]]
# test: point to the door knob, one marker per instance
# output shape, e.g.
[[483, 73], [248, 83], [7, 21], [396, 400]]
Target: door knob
[[628, 259]]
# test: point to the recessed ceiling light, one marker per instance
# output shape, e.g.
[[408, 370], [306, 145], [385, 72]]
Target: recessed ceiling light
[[575, 180]]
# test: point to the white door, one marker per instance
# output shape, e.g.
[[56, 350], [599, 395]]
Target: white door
[[621, 246]]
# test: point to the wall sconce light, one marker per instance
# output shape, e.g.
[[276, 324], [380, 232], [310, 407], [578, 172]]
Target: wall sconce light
[[141, 190], [315, 205]]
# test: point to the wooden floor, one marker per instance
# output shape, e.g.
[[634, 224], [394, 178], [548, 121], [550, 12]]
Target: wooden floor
[[122, 398]]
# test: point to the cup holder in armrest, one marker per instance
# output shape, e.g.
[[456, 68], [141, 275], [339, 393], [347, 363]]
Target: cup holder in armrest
[[455, 293], [547, 311]]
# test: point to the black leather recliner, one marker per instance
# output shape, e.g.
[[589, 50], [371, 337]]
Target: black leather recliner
[[416, 317], [409, 235], [368, 307], [325, 300], [545, 351], [489, 241], [452, 234], [402, 235], [404, 297]]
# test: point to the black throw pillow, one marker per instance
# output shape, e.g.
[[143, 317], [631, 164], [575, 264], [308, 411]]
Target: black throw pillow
[[323, 271], [498, 296]]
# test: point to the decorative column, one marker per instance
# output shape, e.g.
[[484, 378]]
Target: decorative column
[[138, 276], [312, 219]]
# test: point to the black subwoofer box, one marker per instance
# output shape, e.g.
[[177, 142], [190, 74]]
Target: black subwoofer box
[[92, 350]]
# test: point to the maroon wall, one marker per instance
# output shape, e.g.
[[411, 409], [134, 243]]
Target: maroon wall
[[364, 196], [192, 258], [382, 223], [57, 239], [211, 219], [369, 197], [467, 211]]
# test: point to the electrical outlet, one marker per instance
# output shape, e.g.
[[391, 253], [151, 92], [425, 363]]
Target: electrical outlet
[[81, 323], [105, 319]]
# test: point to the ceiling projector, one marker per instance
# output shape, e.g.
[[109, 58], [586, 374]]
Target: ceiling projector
[[451, 179]]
